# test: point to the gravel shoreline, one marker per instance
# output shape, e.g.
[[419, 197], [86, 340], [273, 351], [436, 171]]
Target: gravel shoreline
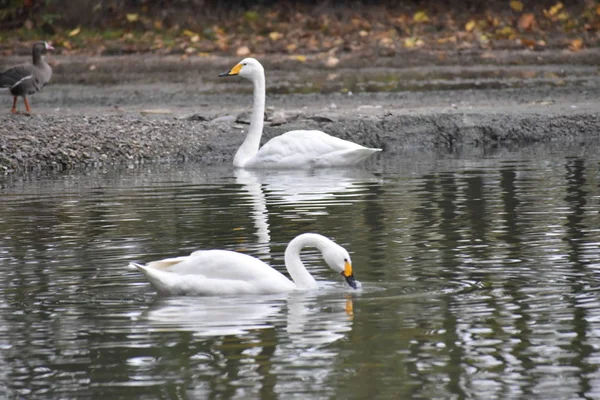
[[203, 119]]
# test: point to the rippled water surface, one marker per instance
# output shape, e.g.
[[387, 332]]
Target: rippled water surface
[[480, 280]]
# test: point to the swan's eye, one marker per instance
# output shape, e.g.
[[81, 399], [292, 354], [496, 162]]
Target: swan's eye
[[244, 64], [345, 260]]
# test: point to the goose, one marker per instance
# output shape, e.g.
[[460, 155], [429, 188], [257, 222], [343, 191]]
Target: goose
[[224, 272], [294, 149], [26, 79]]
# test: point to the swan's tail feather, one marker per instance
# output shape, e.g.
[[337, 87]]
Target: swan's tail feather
[[133, 265], [344, 157]]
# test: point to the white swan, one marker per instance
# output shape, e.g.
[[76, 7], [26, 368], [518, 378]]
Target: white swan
[[294, 149], [216, 272]]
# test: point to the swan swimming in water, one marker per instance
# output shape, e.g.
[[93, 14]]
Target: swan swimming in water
[[294, 149], [224, 272]]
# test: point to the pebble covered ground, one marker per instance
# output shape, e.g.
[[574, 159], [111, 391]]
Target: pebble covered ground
[[188, 119]]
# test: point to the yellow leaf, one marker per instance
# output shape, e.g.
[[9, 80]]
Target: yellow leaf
[[67, 45], [516, 5], [274, 36], [132, 17], [189, 33], [75, 32], [420, 16], [195, 38], [299, 58], [409, 43], [554, 9], [563, 16], [469, 26], [291, 47], [363, 33], [507, 31]]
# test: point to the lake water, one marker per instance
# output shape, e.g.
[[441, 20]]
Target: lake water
[[480, 280]]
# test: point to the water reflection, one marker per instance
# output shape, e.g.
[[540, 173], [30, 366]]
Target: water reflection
[[480, 280], [314, 318]]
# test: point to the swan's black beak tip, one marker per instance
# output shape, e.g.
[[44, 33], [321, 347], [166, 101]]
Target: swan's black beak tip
[[350, 280], [225, 74]]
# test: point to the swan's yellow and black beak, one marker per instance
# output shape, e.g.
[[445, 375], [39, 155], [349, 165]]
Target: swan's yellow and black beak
[[348, 275], [233, 71]]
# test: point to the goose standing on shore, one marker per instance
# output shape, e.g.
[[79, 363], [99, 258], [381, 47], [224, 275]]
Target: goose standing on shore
[[224, 272], [294, 149], [26, 79]]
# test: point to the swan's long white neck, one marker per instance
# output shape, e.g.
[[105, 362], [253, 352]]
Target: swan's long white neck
[[251, 144], [301, 277]]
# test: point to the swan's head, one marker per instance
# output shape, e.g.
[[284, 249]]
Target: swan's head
[[339, 260], [248, 68]]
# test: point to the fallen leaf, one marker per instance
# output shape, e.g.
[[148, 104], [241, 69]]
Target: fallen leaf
[[332, 62], [291, 47], [195, 38], [516, 5], [363, 33], [133, 17], [563, 16], [553, 10], [386, 42], [299, 58], [449, 39], [598, 9], [67, 45], [409, 43], [526, 21], [189, 33], [576, 45], [469, 26], [242, 51], [275, 36], [420, 16], [528, 43], [506, 31], [75, 32]]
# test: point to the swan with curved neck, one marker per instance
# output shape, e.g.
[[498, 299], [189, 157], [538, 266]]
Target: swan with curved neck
[[224, 272], [294, 149]]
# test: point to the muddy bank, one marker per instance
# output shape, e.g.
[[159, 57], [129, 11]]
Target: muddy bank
[[60, 142], [202, 119]]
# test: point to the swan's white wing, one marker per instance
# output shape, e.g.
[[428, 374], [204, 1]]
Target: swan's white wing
[[213, 272], [307, 149]]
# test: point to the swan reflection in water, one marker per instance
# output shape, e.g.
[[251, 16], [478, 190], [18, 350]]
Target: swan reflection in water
[[310, 318], [304, 192]]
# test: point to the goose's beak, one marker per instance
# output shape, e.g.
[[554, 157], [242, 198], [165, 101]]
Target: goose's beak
[[48, 46], [233, 71], [348, 275]]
